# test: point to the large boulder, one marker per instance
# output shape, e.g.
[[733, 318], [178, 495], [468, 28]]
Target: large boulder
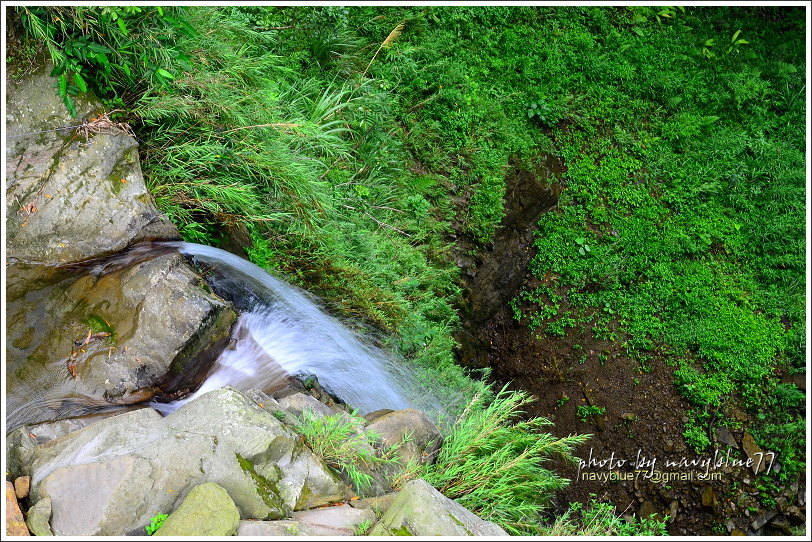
[[69, 198], [109, 478], [85, 332], [111, 334], [421, 510], [417, 438], [206, 511]]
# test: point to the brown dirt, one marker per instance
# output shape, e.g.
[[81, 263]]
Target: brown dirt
[[644, 411]]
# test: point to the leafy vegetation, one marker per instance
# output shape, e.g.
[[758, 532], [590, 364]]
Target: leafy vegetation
[[155, 523], [494, 463], [344, 445], [586, 411], [598, 518], [345, 146]]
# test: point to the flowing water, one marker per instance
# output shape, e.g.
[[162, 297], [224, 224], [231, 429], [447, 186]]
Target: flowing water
[[281, 331]]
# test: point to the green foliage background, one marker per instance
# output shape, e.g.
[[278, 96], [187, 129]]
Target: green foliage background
[[344, 143]]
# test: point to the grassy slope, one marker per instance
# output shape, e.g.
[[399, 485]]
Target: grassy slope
[[682, 219], [685, 174]]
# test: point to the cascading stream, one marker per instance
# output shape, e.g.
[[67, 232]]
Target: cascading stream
[[281, 331]]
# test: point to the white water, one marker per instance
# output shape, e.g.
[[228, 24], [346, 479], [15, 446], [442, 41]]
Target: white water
[[282, 331]]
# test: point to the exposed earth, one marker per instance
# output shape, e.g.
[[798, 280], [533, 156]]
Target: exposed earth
[[642, 427]]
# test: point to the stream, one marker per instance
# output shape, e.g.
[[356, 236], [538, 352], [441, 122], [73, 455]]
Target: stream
[[281, 332]]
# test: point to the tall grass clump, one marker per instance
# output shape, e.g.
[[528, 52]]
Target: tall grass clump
[[494, 462], [344, 445], [598, 518], [116, 51]]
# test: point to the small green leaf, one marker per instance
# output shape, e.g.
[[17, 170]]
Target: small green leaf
[[80, 82], [58, 69], [97, 48], [126, 68], [69, 104], [122, 26], [736, 35], [162, 72], [63, 85]]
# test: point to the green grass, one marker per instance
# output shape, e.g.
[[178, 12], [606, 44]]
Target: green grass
[[343, 445], [597, 518], [495, 463], [348, 154]]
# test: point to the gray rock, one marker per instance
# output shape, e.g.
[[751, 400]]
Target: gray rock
[[264, 401], [20, 443], [762, 519], [161, 328], [19, 452], [724, 436], [61, 187], [111, 477], [283, 527], [421, 510], [39, 518], [379, 505], [418, 438], [334, 520], [297, 403], [206, 511]]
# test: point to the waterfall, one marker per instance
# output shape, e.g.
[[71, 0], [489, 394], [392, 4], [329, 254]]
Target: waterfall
[[283, 331]]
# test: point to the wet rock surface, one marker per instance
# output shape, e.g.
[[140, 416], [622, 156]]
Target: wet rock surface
[[90, 326], [79, 342], [70, 198], [223, 462]]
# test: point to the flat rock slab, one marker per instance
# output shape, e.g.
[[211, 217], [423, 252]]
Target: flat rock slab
[[334, 520], [282, 527], [111, 477], [421, 510], [206, 511]]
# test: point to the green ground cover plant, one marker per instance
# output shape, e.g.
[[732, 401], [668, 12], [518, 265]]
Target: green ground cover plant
[[347, 146], [597, 518], [495, 463], [342, 443]]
